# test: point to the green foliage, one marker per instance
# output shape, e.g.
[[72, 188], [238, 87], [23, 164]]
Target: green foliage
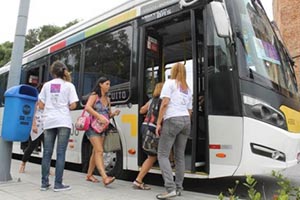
[[286, 189], [250, 184], [231, 192], [33, 38], [5, 52]]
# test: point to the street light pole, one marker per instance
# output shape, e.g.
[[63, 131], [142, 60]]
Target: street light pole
[[14, 79]]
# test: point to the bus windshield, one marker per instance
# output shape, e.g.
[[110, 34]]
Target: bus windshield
[[267, 62]]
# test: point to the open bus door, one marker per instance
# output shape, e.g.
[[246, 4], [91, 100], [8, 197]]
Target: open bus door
[[177, 38]]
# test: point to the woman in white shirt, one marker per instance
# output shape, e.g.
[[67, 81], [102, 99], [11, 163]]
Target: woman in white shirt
[[57, 98], [173, 126]]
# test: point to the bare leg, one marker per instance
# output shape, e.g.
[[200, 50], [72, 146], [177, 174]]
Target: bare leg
[[22, 167], [92, 165], [148, 163], [97, 143]]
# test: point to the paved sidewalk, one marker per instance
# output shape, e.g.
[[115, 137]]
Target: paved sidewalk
[[27, 187]]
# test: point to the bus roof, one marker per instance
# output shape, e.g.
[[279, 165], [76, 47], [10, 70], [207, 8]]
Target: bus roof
[[123, 13]]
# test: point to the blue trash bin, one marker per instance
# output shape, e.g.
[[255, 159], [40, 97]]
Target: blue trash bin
[[18, 112]]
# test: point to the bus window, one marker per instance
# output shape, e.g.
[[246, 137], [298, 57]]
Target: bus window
[[108, 55], [219, 68], [263, 54], [71, 58], [152, 75]]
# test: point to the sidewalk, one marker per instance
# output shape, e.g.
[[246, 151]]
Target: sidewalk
[[26, 186]]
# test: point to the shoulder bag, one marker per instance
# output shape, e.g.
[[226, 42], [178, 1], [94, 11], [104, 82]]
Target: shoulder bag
[[150, 143], [83, 122], [98, 126], [112, 141]]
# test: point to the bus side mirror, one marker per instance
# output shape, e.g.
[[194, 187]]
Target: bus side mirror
[[221, 19]]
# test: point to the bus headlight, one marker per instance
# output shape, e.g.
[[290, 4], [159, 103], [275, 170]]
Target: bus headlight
[[264, 112]]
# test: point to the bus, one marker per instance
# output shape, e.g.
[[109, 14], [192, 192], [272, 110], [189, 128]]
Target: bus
[[246, 117]]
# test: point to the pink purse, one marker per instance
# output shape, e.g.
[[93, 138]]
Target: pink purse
[[98, 126], [83, 122]]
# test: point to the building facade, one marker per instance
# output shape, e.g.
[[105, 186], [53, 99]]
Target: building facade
[[287, 17]]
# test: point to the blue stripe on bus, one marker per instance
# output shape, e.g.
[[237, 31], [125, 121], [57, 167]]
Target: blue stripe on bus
[[75, 38]]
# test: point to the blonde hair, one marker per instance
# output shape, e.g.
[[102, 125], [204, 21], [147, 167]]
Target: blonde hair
[[157, 89], [178, 73]]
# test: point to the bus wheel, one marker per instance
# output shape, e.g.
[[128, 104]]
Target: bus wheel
[[113, 162]]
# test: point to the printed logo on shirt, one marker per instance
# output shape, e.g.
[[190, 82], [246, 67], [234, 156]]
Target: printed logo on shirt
[[55, 88], [184, 91]]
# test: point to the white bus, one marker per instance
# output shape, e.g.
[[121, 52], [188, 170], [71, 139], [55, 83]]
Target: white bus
[[249, 122]]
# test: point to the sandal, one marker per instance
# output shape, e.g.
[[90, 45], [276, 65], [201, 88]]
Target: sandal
[[108, 180], [140, 186], [91, 178]]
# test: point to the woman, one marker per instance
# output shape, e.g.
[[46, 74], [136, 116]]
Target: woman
[[98, 105], [36, 136], [151, 159], [56, 98], [174, 113]]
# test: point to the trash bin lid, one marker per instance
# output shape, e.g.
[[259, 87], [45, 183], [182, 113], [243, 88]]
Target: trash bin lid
[[22, 91]]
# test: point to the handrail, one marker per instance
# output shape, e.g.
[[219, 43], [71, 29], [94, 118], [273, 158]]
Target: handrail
[[183, 3]]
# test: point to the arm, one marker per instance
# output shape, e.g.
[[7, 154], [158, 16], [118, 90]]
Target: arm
[[162, 111], [144, 108], [34, 127], [41, 105], [112, 114], [72, 106]]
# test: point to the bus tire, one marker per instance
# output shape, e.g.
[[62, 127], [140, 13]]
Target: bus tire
[[113, 161], [115, 167]]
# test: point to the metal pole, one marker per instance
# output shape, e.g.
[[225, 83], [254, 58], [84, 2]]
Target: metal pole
[[14, 79]]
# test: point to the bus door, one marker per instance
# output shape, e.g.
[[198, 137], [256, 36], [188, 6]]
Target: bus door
[[176, 38], [225, 124]]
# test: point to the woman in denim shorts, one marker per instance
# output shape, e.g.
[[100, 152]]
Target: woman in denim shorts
[[98, 106]]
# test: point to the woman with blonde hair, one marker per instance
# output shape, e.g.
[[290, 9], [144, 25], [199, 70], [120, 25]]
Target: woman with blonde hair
[[151, 159], [175, 112]]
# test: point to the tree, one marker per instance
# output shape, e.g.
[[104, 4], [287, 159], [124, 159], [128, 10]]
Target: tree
[[34, 37], [5, 52]]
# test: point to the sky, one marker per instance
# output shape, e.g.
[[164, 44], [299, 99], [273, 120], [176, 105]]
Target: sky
[[60, 12]]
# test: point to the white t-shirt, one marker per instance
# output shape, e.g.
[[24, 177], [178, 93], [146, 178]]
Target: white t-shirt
[[180, 101], [57, 95]]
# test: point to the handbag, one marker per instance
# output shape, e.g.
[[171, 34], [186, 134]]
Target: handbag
[[150, 143], [83, 122], [112, 140], [98, 126]]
